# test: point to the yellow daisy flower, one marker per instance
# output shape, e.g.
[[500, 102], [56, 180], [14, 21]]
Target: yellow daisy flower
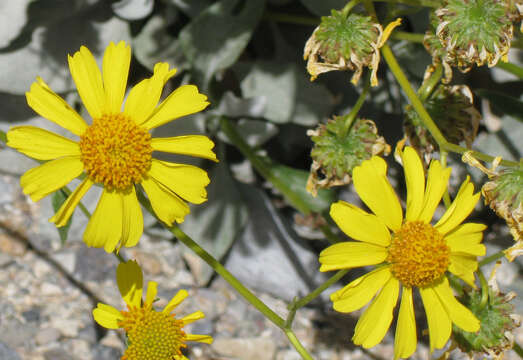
[[408, 251], [151, 334], [115, 150]]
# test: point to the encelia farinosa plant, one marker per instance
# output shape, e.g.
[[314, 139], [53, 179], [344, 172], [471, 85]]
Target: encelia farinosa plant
[[295, 179]]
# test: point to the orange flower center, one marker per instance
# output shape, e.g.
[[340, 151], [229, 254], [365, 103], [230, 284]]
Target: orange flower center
[[418, 254], [115, 151], [152, 335]]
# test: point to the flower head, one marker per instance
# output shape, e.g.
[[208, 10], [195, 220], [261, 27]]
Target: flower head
[[346, 42], [115, 150], [409, 253], [151, 334], [472, 32], [336, 152]]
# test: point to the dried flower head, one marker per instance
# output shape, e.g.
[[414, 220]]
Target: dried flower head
[[474, 32], [336, 153], [497, 322], [346, 42], [451, 108], [504, 194]]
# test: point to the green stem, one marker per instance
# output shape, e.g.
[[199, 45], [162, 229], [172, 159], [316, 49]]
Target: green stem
[[428, 85], [297, 345], [518, 350], [347, 8], [424, 115], [261, 166], [491, 258], [307, 299], [412, 37], [511, 68], [3, 137], [484, 289], [349, 120]]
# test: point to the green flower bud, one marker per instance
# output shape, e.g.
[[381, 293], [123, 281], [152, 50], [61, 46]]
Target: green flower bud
[[451, 109], [335, 154], [497, 323], [346, 42], [474, 32]]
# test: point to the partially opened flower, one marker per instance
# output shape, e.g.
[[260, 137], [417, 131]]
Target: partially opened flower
[[152, 334], [409, 253], [115, 150]]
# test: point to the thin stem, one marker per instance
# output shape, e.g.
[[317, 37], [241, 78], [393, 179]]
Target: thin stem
[[349, 120], [412, 37], [491, 258], [261, 166], [484, 289], [347, 8], [428, 85], [329, 235], [518, 350], [3, 137], [424, 115], [307, 299], [297, 344]]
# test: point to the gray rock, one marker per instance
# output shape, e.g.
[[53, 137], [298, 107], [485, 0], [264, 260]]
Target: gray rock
[[58, 354], [6, 353], [46, 336], [268, 256]]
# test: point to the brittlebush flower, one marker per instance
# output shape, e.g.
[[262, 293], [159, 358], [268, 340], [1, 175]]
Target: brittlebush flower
[[151, 334], [115, 150], [409, 253]]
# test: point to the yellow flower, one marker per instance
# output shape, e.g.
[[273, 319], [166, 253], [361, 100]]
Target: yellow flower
[[408, 251], [115, 150], [151, 334]]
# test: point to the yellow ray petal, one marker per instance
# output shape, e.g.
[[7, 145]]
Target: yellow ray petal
[[466, 239], [50, 176], [359, 292], [375, 321], [88, 80], [370, 181], [207, 339], [183, 101], [105, 226], [186, 181], [132, 220], [107, 316], [152, 290], [129, 278], [197, 315], [66, 210], [193, 145], [463, 266], [415, 180], [405, 340], [144, 96], [166, 205], [459, 314], [41, 144], [359, 224], [115, 66], [440, 325], [175, 301], [52, 107], [466, 229], [437, 180], [460, 208], [350, 254]]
